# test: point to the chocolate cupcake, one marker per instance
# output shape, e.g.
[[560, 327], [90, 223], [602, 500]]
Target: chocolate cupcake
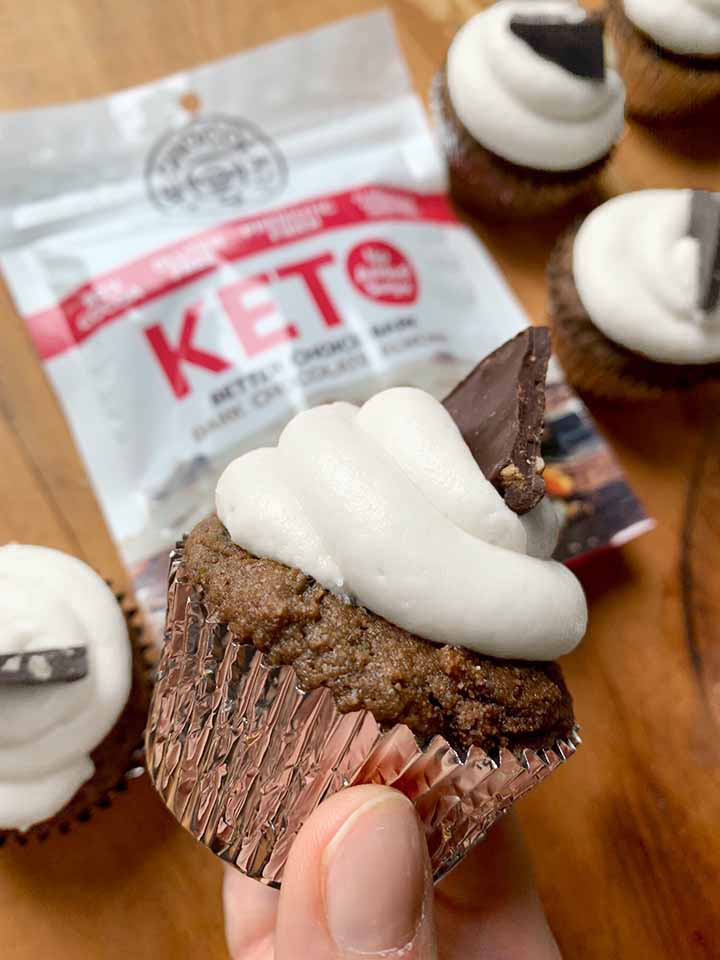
[[634, 294], [73, 693], [668, 52], [350, 616], [527, 110]]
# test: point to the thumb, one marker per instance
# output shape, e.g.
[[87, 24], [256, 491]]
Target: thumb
[[357, 883]]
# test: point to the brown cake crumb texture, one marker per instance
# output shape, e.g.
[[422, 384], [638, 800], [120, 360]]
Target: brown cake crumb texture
[[369, 663], [591, 360]]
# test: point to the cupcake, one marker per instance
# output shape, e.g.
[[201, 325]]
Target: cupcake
[[350, 615], [73, 693], [668, 52], [634, 294], [527, 110]]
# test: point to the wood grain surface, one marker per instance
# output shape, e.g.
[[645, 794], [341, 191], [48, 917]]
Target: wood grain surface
[[626, 838]]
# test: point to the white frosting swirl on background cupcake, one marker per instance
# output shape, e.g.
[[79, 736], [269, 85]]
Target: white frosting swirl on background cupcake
[[690, 27], [384, 503], [636, 273], [51, 600], [523, 107]]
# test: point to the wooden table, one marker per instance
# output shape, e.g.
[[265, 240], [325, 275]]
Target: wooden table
[[626, 839]]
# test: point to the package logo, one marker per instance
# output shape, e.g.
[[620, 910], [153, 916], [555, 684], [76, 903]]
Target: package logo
[[214, 162], [382, 273]]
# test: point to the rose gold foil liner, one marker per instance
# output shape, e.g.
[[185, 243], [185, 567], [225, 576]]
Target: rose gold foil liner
[[242, 756]]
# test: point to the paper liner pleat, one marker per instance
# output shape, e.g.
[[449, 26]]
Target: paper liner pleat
[[242, 756]]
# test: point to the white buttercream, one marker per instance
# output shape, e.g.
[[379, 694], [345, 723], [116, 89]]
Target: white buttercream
[[636, 273], [48, 600], [384, 503], [690, 27], [526, 108]]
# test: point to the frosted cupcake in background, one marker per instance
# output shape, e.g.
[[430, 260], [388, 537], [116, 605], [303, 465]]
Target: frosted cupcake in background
[[527, 108], [351, 615], [668, 53], [73, 692], [634, 294]]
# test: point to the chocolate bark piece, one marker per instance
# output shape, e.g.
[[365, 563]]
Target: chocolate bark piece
[[704, 226], [500, 411], [34, 667], [576, 46]]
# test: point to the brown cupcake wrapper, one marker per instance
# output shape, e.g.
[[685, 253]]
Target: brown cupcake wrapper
[[594, 363], [242, 756], [489, 186], [659, 83], [118, 759]]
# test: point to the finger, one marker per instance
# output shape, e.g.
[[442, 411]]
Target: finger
[[488, 907], [250, 913], [357, 883]]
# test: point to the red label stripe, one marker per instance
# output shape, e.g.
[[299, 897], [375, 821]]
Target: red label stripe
[[108, 296]]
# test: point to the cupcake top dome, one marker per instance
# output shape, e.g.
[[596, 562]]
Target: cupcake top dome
[[646, 266], [65, 676], [528, 80], [386, 505], [689, 27]]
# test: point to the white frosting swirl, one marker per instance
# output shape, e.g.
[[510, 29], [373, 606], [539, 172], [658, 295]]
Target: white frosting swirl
[[523, 107], [690, 27], [636, 273], [48, 600], [386, 504]]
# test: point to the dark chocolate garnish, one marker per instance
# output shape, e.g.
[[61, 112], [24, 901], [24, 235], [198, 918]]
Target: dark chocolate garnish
[[576, 46], [500, 411], [705, 227], [33, 667]]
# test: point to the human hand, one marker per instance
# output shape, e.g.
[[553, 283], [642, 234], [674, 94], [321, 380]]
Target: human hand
[[357, 885]]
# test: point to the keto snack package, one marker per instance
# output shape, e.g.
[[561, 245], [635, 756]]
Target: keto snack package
[[198, 258]]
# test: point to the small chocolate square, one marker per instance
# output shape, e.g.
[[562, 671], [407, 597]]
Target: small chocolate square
[[705, 227], [35, 667], [576, 46]]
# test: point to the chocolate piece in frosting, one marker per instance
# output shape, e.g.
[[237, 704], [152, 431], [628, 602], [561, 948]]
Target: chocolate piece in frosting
[[705, 227], [500, 410], [576, 46], [32, 667]]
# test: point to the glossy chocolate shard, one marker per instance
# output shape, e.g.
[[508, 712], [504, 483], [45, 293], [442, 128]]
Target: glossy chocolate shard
[[705, 227], [500, 411], [576, 46], [34, 667]]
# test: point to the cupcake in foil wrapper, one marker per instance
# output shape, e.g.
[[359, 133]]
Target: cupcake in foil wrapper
[[490, 187], [242, 756], [118, 758]]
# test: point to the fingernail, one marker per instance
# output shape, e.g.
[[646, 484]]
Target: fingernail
[[375, 878]]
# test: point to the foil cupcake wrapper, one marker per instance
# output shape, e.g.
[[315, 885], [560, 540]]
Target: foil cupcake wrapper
[[242, 756]]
